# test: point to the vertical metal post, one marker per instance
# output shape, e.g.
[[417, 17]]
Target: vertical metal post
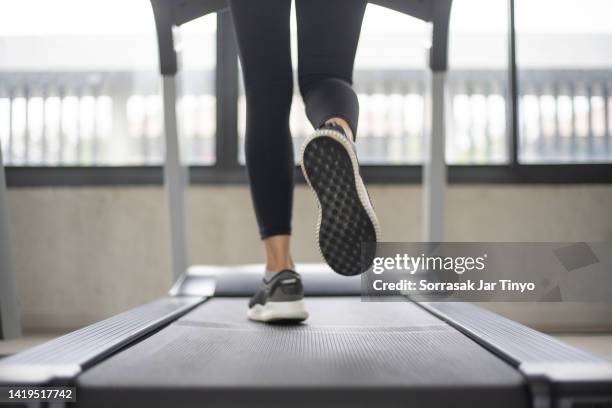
[[434, 163], [175, 174], [10, 324], [168, 15], [175, 180], [512, 107]]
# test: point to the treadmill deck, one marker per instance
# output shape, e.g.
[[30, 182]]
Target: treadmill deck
[[348, 353]]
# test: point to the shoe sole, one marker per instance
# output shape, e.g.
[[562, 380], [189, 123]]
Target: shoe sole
[[276, 311], [346, 216]]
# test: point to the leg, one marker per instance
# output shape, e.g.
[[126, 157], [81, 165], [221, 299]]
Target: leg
[[328, 33], [262, 31], [278, 255]]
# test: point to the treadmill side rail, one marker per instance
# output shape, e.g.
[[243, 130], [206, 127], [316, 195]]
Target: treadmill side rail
[[65, 357], [558, 374]]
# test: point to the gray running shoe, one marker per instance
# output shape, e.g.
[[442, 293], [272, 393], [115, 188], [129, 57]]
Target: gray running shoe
[[280, 298]]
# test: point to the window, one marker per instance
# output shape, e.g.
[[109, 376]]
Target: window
[[478, 82], [80, 93], [390, 82], [565, 79], [86, 91]]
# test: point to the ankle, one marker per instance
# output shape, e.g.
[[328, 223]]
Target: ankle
[[344, 125], [277, 266]]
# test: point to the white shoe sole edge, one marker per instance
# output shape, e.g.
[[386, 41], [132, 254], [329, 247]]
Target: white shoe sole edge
[[274, 311]]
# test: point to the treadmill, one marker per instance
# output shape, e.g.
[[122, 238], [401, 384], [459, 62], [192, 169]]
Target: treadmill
[[195, 347]]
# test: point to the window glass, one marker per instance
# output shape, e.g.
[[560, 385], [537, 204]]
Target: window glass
[[565, 78], [477, 82], [79, 84]]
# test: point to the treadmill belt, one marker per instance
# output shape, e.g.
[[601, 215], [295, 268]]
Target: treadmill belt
[[348, 353]]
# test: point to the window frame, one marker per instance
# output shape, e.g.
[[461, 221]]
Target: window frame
[[228, 170]]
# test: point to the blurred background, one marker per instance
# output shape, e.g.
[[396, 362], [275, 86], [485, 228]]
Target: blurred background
[[79, 84], [81, 134]]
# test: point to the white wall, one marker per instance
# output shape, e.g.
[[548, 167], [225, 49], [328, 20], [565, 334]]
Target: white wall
[[82, 254]]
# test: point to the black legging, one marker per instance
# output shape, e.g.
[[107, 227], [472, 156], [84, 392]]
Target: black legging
[[328, 33]]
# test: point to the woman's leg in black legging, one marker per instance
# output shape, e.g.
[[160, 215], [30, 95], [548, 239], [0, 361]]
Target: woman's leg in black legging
[[328, 33], [262, 31]]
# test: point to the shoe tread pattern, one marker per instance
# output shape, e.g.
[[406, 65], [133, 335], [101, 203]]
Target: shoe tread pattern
[[344, 222]]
